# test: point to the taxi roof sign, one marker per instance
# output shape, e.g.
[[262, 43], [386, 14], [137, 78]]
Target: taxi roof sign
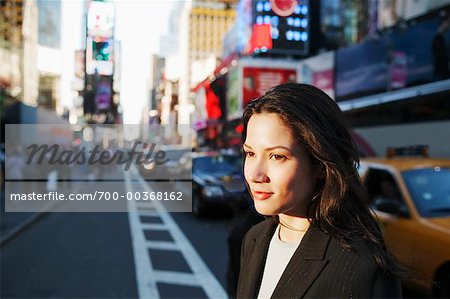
[[412, 150]]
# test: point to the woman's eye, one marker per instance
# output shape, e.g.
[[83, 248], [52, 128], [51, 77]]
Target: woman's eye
[[249, 154], [277, 157]]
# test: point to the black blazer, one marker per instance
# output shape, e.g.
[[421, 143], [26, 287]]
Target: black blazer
[[319, 268]]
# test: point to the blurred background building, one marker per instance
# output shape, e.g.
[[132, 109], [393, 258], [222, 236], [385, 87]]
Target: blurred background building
[[100, 99], [18, 48], [386, 63], [364, 54], [49, 60], [31, 64], [192, 49]]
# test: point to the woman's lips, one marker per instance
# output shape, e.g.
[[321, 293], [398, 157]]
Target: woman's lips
[[261, 195]]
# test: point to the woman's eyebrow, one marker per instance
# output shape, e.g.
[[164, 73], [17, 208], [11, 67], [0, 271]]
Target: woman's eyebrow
[[278, 147], [270, 148]]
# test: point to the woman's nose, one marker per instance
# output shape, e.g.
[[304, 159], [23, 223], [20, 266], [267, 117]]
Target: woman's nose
[[256, 172]]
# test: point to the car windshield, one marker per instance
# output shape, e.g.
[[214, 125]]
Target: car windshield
[[216, 164], [430, 190]]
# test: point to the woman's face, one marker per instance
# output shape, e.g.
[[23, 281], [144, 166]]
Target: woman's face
[[278, 170]]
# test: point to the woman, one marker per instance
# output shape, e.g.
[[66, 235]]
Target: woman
[[300, 167]]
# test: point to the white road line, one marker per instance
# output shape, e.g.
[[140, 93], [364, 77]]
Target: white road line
[[147, 205], [148, 214], [201, 275], [163, 245], [145, 277], [177, 277], [153, 226], [146, 208]]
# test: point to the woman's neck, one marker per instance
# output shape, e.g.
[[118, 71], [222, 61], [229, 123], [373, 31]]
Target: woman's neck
[[292, 229]]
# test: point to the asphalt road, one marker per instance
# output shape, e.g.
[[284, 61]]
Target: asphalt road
[[99, 255], [93, 255]]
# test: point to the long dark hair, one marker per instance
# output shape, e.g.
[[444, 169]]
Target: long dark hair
[[341, 208]]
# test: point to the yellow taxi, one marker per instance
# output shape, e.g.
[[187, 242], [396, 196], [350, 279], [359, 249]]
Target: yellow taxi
[[410, 196]]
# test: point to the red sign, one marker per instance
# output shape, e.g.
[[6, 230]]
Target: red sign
[[283, 8], [257, 81], [323, 79], [212, 103], [261, 38]]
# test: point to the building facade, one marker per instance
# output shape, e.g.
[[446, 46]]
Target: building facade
[[208, 23], [49, 54], [192, 50], [18, 50]]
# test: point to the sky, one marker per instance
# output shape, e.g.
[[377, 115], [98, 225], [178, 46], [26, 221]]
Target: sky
[[71, 40], [139, 25]]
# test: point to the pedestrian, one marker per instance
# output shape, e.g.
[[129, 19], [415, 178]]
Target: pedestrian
[[320, 239]]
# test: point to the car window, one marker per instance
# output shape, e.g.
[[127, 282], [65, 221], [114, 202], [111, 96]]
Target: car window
[[362, 168], [381, 185], [430, 190]]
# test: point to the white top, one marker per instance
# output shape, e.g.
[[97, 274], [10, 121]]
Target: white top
[[278, 257]]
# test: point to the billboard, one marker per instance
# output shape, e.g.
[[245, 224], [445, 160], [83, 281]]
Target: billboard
[[361, 69], [396, 59], [98, 95], [100, 19], [99, 56], [418, 56], [318, 71], [103, 93], [258, 80], [391, 12], [280, 27]]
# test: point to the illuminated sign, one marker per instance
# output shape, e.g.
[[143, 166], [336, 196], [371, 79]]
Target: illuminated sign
[[102, 50], [100, 19], [99, 56], [258, 80], [289, 26], [283, 8], [103, 94]]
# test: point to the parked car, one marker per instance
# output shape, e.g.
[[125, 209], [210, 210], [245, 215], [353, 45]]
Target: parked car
[[217, 181], [410, 196]]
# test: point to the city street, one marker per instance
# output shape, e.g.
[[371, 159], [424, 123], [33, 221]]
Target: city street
[[145, 254], [127, 129], [114, 255]]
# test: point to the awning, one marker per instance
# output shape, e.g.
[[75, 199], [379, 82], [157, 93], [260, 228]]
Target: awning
[[398, 95]]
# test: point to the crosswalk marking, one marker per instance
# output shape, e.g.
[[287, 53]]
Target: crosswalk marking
[[187, 279], [153, 226], [147, 276], [161, 245], [148, 214]]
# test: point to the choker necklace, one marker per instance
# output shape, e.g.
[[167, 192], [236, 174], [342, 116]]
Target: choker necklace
[[291, 227]]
